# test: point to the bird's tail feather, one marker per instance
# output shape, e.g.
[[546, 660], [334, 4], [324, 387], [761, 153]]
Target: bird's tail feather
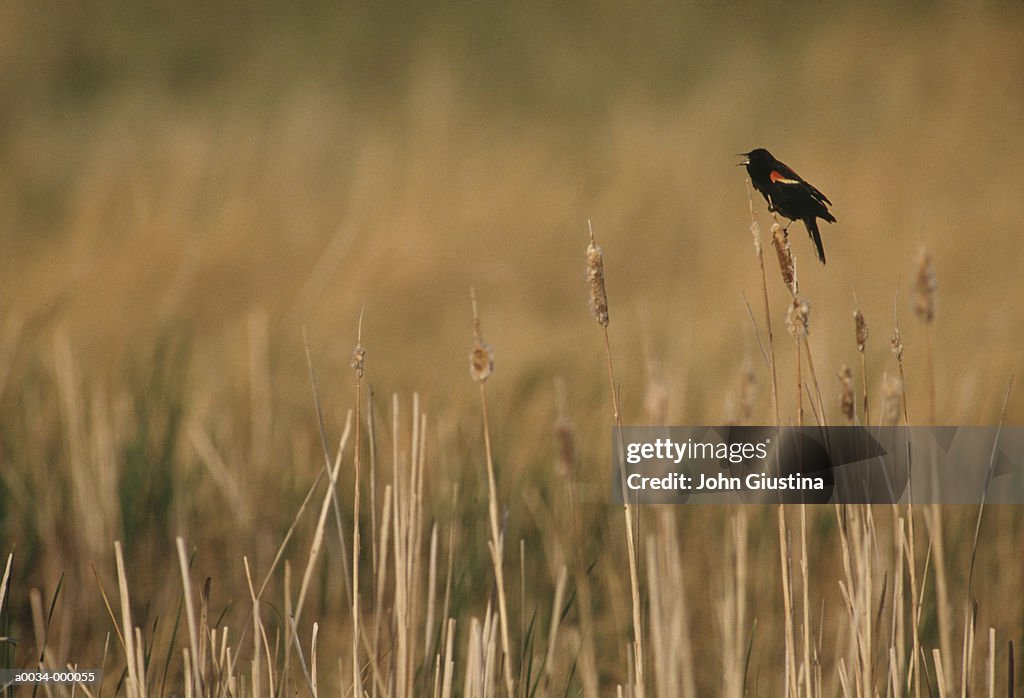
[[812, 230]]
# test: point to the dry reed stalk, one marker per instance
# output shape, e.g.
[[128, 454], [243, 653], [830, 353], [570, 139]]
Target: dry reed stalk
[[358, 364], [449, 660], [990, 677], [671, 649], [820, 412], [428, 627], [5, 579], [190, 615], [897, 350], [932, 515], [599, 307], [796, 325], [940, 674], [967, 658], [914, 675], [293, 626], [402, 683], [314, 684], [318, 533], [481, 365], [406, 522], [733, 611], [565, 468], [259, 641], [381, 577], [972, 602], [791, 682], [325, 473], [797, 320], [755, 231], [556, 617], [805, 585], [861, 328], [897, 637]]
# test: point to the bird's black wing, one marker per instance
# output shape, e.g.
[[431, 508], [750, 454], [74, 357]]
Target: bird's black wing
[[784, 174]]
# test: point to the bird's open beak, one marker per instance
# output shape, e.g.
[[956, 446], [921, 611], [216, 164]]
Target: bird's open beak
[[743, 155]]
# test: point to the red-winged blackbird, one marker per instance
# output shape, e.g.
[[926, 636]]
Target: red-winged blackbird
[[788, 193]]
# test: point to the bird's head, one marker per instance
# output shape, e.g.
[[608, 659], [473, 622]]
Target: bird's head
[[757, 156]]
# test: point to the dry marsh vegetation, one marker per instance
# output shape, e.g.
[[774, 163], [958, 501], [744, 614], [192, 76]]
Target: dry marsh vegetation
[[203, 486]]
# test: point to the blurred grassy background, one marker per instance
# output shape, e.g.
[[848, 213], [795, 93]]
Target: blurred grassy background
[[185, 186]]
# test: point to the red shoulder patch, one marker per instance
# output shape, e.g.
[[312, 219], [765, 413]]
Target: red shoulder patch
[[776, 176]]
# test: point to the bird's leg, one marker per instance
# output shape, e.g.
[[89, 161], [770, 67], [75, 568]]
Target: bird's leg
[[771, 205]]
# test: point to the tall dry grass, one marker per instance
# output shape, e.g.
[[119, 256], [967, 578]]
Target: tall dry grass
[[167, 234]]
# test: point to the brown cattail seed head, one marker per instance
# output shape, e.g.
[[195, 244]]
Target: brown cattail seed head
[[897, 344], [481, 361], [358, 358], [924, 290], [892, 399], [862, 330], [798, 316], [595, 275], [787, 265], [846, 401]]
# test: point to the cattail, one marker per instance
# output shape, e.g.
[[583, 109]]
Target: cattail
[[897, 344], [358, 358], [481, 361], [595, 275], [892, 399], [846, 401], [924, 290], [787, 265], [798, 316], [862, 330]]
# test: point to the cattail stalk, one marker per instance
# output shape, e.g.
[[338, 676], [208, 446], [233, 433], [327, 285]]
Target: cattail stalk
[[797, 324], [897, 350], [481, 365], [599, 307], [358, 362], [565, 468], [755, 231]]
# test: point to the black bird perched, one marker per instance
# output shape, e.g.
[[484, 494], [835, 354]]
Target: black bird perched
[[789, 194]]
